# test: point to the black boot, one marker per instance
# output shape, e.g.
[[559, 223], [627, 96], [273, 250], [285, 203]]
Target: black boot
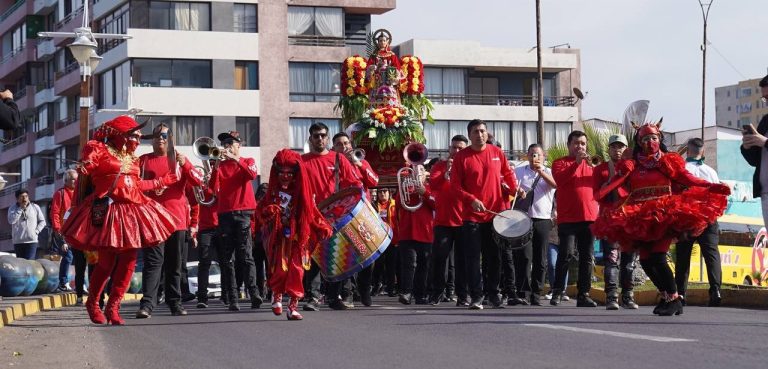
[[628, 300], [583, 300], [714, 298], [674, 307], [612, 303]]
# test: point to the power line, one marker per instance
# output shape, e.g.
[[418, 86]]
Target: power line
[[727, 61]]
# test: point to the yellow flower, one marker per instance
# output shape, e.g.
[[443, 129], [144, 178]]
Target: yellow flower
[[380, 117], [363, 64], [415, 81], [403, 87], [352, 83], [350, 91], [406, 59], [415, 87], [350, 73], [416, 73], [350, 61]]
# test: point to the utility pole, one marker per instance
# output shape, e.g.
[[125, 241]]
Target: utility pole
[[540, 78], [705, 5]]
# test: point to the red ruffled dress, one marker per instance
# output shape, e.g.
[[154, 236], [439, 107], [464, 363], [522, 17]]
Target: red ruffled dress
[[664, 202], [133, 220]]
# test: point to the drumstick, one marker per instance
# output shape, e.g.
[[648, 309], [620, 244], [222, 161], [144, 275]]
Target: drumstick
[[501, 215]]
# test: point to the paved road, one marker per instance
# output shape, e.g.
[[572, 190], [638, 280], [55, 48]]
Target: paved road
[[389, 335]]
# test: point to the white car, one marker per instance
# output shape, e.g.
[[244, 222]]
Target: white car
[[214, 278]]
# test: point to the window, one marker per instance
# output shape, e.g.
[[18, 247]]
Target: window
[[728, 93], [172, 73], [245, 19], [317, 82], [729, 108], [445, 85], [308, 21], [114, 86], [248, 127], [118, 22], [185, 129], [300, 130], [556, 133], [246, 75], [180, 16]]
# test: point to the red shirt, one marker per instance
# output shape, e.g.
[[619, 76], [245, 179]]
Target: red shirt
[[174, 197], [320, 171], [415, 225], [367, 175], [448, 211], [478, 175], [62, 200], [574, 200], [601, 175], [232, 184]]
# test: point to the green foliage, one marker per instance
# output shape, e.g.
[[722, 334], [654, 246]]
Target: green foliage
[[351, 108], [383, 139], [418, 106], [597, 143]]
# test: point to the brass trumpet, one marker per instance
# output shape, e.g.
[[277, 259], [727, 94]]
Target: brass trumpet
[[359, 154], [596, 160], [205, 149]]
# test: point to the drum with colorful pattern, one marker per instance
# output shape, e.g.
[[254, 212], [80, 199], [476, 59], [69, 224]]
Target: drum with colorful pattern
[[359, 238]]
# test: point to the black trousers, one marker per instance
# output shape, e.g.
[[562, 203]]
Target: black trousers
[[618, 269], [184, 272], [576, 236], [391, 264], [708, 241], [235, 232], [338, 290], [531, 260], [312, 282], [476, 240], [163, 259], [207, 243], [442, 247], [78, 258], [260, 260], [364, 280], [414, 267]]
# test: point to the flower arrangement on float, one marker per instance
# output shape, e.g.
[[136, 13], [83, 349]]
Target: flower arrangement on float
[[388, 127], [354, 92]]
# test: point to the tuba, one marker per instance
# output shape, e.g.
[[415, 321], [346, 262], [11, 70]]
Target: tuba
[[409, 177], [205, 149]]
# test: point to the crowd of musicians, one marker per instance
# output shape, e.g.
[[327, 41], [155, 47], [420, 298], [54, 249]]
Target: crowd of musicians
[[442, 251]]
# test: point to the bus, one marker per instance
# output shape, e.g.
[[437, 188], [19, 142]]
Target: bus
[[743, 253]]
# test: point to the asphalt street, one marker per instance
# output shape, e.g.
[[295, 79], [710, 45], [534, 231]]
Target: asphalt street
[[390, 335]]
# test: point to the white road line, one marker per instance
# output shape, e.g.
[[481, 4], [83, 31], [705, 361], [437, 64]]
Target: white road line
[[391, 308], [612, 333]]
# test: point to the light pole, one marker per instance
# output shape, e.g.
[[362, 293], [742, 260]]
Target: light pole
[[540, 78], [83, 48], [705, 5]]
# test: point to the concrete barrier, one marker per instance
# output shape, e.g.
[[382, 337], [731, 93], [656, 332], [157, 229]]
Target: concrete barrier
[[15, 308]]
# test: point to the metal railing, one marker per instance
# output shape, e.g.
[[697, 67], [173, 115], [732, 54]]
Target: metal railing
[[316, 40], [12, 9], [314, 96], [11, 188], [20, 93], [15, 142], [47, 131], [107, 45], [14, 52], [68, 69], [45, 180], [68, 18], [67, 121], [501, 100], [43, 86]]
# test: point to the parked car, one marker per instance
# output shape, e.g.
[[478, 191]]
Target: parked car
[[214, 278]]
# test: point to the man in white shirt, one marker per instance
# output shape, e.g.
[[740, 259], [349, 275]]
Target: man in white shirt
[[530, 261], [708, 240]]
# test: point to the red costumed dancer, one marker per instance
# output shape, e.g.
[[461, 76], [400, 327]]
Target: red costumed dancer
[[291, 224], [664, 202], [116, 219]]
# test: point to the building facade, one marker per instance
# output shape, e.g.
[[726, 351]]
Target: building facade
[[268, 69], [740, 104]]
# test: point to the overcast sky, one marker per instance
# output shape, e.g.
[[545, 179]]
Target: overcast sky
[[630, 50]]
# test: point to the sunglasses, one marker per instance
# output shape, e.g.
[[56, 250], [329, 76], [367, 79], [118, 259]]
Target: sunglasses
[[162, 135]]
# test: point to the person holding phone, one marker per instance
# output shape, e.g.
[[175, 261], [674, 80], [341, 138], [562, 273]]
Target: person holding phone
[[755, 152]]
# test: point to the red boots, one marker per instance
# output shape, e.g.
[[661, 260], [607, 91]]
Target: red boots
[[277, 305], [121, 279], [293, 312]]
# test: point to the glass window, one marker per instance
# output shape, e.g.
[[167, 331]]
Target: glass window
[[309, 21], [248, 127], [185, 129], [182, 16], [245, 19], [314, 81], [246, 75], [172, 73], [299, 130]]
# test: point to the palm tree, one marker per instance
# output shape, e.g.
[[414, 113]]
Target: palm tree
[[597, 143]]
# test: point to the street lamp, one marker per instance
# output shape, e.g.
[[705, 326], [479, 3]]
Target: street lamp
[[539, 77], [705, 5]]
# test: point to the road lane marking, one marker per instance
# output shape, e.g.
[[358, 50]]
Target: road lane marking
[[612, 333]]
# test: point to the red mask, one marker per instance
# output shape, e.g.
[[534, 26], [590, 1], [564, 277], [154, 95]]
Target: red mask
[[651, 147], [286, 177]]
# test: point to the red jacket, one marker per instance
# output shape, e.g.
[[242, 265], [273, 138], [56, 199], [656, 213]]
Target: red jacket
[[62, 200], [232, 184], [575, 185], [173, 198], [415, 225], [601, 175], [448, 211], [320, 170], [478, 175]]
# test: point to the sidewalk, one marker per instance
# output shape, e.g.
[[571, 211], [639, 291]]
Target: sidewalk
[[14, 308]]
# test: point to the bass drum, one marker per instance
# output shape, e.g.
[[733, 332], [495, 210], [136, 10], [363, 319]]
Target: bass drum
[[512, 229], [359, 238]]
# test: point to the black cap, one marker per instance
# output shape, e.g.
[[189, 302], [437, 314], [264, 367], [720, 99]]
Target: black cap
[[229, 136]]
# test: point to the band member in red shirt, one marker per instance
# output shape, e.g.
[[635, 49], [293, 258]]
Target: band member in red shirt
[[207, 246], [415, 235], [448, 223], [166, 259], [479, 175], [386, 271], [324, 170], [291, 225], [62, 200], [116, 218], [343, 145], [576, 210], [619, 265], [231, 181]]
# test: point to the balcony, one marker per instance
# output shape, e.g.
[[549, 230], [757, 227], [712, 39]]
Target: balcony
[[501, 100], [43, 7], [44, 141], [14, 15], [69, 22], [7, 194], [16, 149], [12, 65], [25, 98], [45, 49], [316, 40], [67, 80], [66, 129], [45, 187], [44, 93]]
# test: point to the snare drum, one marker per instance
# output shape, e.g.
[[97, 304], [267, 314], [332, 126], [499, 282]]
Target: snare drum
[[512, 229], [359, 239]]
